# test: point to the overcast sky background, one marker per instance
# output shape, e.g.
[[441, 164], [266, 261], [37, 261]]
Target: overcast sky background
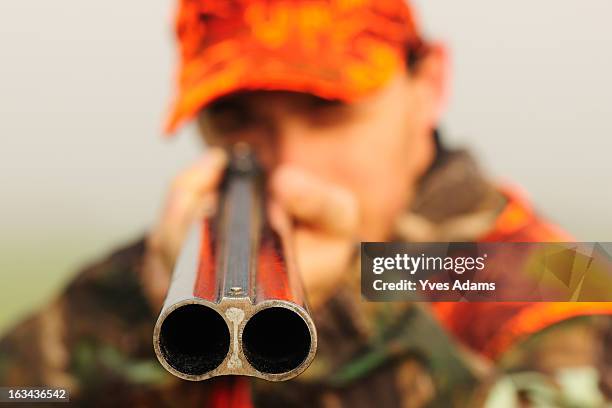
[[84, 85]]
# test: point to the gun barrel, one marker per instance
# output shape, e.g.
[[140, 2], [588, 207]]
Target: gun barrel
[[235, 305]]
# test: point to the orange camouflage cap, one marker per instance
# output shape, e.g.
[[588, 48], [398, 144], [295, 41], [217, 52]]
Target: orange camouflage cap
[[335, 49]]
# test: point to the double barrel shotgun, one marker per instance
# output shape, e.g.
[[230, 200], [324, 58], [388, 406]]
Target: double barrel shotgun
[[235, 305]]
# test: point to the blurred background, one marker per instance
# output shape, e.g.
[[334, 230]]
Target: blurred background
[[84, 86]]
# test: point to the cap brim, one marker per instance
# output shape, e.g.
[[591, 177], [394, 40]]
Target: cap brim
[[238, 66]]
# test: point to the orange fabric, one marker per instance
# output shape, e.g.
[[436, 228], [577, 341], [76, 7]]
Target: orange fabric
[[337, 49], [492, 328]]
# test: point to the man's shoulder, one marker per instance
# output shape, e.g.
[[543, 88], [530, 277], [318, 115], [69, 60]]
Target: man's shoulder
[[122, 258], [457, 201], [97, 329], [519, 221], [112, 285]]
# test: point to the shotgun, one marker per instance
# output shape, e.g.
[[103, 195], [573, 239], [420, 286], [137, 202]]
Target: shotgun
[[235, 305]]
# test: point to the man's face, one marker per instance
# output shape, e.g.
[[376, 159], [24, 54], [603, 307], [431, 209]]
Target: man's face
[[376, 148]]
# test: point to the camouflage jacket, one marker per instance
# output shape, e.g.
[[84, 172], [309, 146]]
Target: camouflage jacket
[[95, 338]]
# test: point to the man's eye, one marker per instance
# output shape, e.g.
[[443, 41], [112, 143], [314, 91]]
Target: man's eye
[[328, 112], [231, 120]]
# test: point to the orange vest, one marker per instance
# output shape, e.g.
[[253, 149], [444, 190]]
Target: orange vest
[[492, 328]]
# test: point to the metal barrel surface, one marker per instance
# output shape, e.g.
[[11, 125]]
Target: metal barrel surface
[[235, 305]]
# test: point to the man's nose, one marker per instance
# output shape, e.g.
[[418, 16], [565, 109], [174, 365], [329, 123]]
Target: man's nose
[[285, 143], [296, 144]]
